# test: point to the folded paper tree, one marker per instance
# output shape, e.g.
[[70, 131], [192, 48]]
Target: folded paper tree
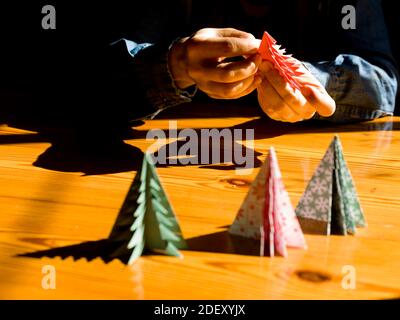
[[150, 223], [267, 215], [330, 204], [287, 66]]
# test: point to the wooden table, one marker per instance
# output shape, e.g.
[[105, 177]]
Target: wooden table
[[52, 198]]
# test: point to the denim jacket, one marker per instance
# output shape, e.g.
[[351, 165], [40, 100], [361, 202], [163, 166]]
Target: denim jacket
[[355, 66]]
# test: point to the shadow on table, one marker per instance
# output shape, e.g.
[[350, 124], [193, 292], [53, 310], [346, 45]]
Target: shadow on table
[[102, 154], [93, 150], [99, 151], [90, 154], [89, 250], [224, 242], [219, 242], [211, 153], [115, 246], [265, 128], [97, 146]]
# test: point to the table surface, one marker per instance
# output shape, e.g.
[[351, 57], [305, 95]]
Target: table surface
[[55, 195]]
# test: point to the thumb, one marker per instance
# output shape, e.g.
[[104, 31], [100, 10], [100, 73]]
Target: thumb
[[321, 101]]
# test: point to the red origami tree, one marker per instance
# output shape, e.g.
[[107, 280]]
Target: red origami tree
[[287, 66]]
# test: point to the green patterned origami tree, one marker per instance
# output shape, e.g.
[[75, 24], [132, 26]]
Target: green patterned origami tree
[[330, 203], [147, 220]]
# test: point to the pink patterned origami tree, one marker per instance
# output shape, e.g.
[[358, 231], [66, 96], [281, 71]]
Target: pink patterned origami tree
[[267, 214], [287, 66]]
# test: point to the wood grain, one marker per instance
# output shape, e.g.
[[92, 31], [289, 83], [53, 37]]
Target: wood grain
[[42, 209]]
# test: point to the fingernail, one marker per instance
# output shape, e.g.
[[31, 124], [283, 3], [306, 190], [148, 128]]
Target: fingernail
[[256, 42]]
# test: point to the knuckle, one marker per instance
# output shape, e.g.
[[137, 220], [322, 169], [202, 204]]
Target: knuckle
[[227, 75], [240, 86], [251, 68], [205, 31], [231, 30], [246, 71], [249, 35], [227, 46]]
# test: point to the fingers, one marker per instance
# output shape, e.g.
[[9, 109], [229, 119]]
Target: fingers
[[232, 32], [292, 98], [215, 47], [231, 90], [273, 104], [230, 71], [321, 101], [284, 89], [312, 97], [257, 81], [206, 63]]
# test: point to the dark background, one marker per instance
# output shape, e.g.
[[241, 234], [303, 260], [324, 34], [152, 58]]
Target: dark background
[[35, 63]]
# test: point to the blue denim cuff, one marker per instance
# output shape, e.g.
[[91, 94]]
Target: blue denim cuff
[[361, 90]]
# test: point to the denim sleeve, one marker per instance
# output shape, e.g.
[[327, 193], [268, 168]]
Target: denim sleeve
[[361, 77], [362, 90], [142, 79]]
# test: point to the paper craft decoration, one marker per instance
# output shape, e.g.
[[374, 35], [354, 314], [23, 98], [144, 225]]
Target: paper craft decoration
[[288, 67], [154, 226], [267, 214], [330, 203]]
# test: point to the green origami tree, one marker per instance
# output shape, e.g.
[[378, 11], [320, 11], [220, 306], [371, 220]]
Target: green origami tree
[[330, 204], [147, 220]]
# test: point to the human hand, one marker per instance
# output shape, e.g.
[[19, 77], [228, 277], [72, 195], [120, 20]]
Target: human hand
[[280, 102], [200, 60]]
